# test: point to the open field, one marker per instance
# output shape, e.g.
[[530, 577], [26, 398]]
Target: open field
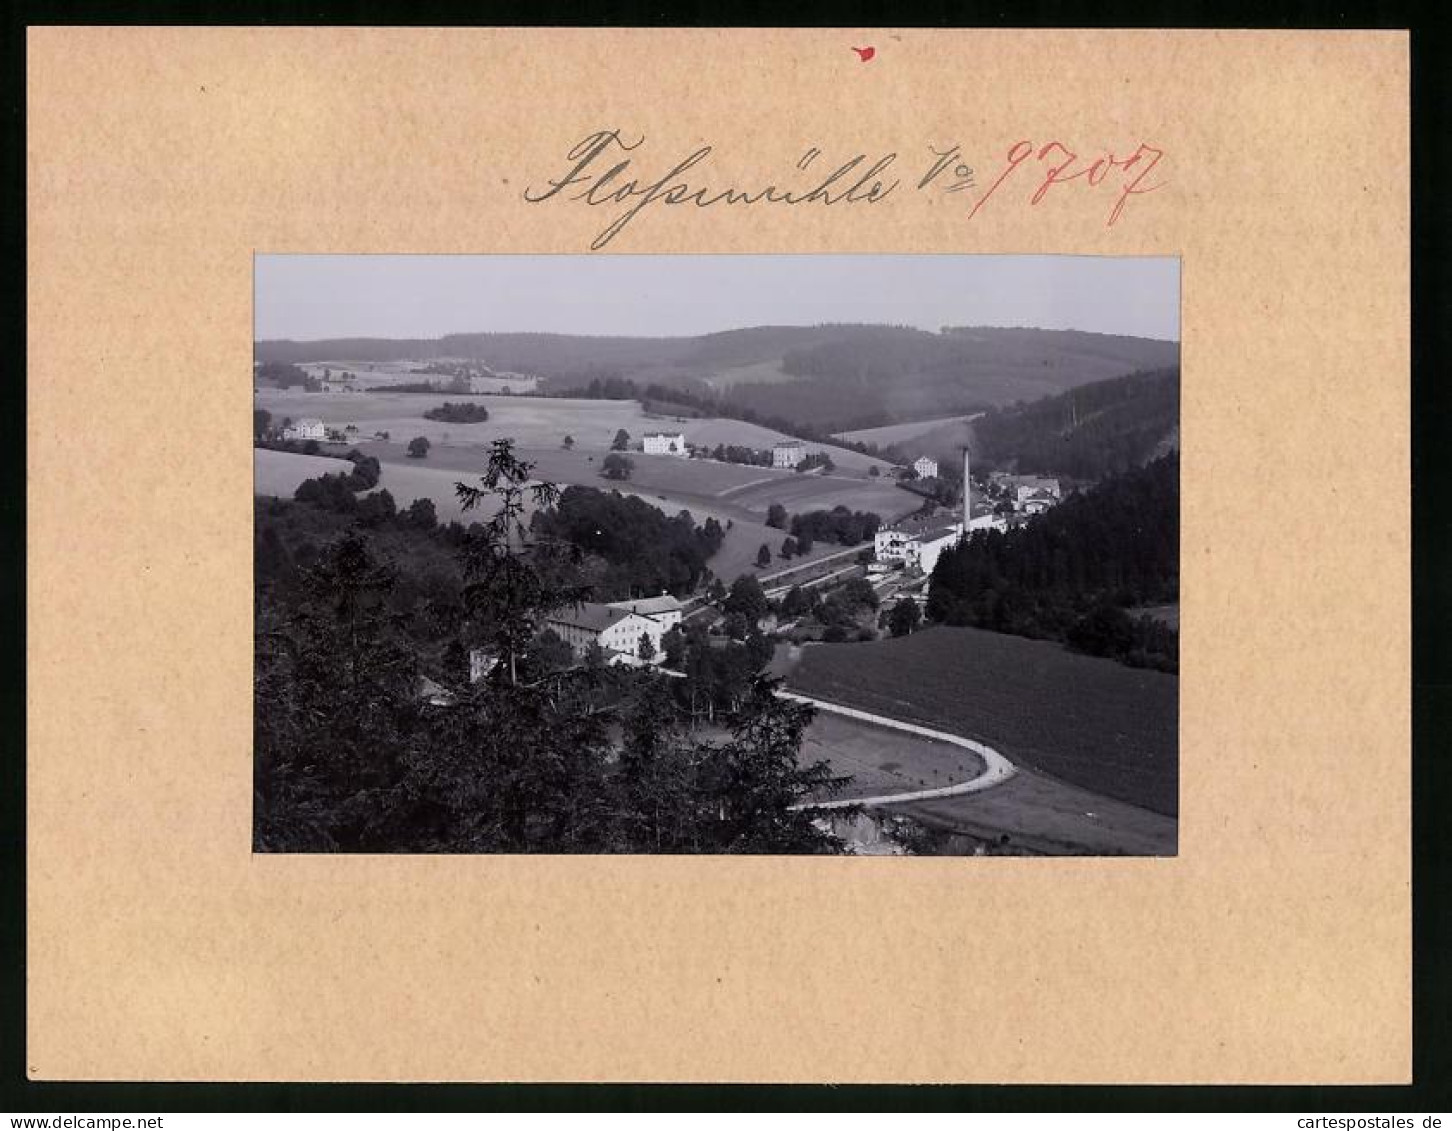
[[532, 422], [1089, 722], [885, 761], [1035, 812], [738, 494], [799, 493], [904, 433], [279, 473]]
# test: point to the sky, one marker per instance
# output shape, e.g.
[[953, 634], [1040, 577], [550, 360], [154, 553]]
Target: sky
[[426, 296]]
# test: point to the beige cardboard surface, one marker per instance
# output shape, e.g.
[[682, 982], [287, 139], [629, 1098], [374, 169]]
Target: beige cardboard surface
[[1275, 947]]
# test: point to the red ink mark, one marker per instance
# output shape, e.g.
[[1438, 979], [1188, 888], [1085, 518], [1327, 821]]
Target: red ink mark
[[1057, 172], [865, 53], [1013, 163]]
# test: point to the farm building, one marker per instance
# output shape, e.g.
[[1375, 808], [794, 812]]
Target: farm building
[[664, 608], [308, 429], [1035, 502], [788, 454], [926, 468], [664, 444], [617, 631], [1022, 487]]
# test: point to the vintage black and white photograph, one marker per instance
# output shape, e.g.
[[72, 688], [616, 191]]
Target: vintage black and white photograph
[[717, 554]]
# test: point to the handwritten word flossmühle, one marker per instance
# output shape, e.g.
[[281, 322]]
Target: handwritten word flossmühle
[[593, 179]]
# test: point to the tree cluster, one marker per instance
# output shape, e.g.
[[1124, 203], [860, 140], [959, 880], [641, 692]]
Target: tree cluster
[[840, 525], [355, 752], [464, 412], [284, 375], [815, 460], [644, 550], [1069, 574]]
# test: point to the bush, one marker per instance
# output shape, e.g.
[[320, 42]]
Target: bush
[[617, 466], [463, 413], [418, 447]]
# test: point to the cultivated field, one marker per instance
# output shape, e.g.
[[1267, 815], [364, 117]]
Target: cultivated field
[[905, 433], [1040, 814], [279, 473], [1090, 722]]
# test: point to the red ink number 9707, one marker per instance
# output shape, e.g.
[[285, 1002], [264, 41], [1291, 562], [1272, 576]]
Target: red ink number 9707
[[1059, 171]]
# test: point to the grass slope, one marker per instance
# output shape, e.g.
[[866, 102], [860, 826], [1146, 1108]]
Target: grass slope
[[279, 473], [1094, 723], [907, 433]]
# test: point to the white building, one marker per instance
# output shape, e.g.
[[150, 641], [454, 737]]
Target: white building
[[925, 551], [617, 631], [917, 545], [788, 454], [308, 429], [926, 468], [664, 608], [891, 544], [665, 444]]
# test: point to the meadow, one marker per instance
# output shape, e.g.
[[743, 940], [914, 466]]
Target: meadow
[[905, 433], [738, 494], [279, 473], [1042, 815], [532, 422], [1093, 723]]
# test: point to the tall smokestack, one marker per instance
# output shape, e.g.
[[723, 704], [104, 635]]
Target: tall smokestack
[[967, 495]]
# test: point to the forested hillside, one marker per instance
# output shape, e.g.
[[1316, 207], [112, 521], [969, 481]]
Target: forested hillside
[[1071, 573], [1087, 433]]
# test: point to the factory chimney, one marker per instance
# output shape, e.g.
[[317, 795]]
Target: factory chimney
[[967, 495]]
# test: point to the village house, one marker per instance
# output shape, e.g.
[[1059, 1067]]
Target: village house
[[788, 454], [664, 444], [306, 429], [616, 631], [1036, 503], [926, 468], [665, 609]]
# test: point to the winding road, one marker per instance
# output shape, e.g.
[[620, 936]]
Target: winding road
[[997, 768]]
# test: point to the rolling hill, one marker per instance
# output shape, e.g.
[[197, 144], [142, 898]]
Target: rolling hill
[[827, 378]]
